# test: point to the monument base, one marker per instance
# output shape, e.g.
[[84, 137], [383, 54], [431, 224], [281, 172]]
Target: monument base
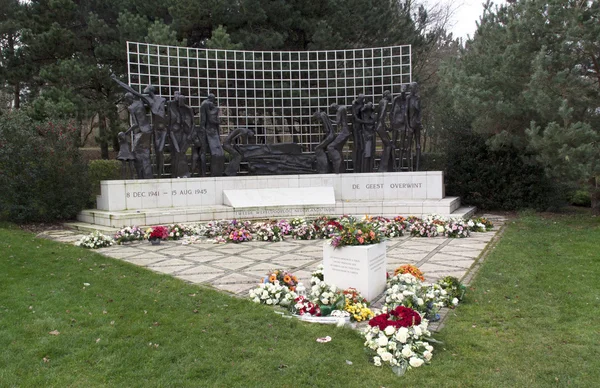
[[358, 266]]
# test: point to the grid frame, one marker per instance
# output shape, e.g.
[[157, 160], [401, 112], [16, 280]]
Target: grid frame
[[275, 93]]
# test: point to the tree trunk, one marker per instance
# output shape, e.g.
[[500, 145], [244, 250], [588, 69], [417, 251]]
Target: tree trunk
[[17, 95], [595, 194], [103, 136]]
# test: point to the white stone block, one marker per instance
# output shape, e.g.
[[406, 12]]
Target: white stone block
[[362, 267], [279, 197]]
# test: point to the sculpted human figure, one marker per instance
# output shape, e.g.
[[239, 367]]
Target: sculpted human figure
[[156, 104], [414, 124], [126, 156], [334, 149], [209, 124], [142, 136], [181, 123], [398, 124], [230, 145], [320, 154], [386, 163], [368, 131], [357, 128]]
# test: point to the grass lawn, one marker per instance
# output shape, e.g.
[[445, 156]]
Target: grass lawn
[[529, 319]]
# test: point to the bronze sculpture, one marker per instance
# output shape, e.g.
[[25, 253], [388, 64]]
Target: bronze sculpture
[[209, 124], [334, 149], [386, 163]]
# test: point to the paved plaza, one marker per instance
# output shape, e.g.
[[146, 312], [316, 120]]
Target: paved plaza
[[238, 267]]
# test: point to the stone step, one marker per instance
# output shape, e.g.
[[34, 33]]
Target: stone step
[[85, 227]]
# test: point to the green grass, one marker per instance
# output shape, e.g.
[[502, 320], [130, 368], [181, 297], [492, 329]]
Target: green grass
[[530, 319]]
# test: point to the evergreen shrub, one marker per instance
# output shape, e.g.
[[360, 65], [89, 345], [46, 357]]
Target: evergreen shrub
[[498, 179], [42, 176]]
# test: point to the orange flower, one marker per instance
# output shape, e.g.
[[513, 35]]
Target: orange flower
[[286, 279], [361, 240], [272, 278], [372, 234], [295, 279]]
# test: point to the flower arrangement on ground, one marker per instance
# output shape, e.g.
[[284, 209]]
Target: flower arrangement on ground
[[297, 221], [303, 306], [95, 240], [456, 229], [304, 231], [410, 269], [282, 277], [480, 224], [405, 290], [328, 229], [177, 231], [272, 294], [454, 288], [397, 339], [356, 305], [127, 234], [358, 233], [327, 296], [239, 235], [268, 232], [425, 228], [157, 232], [285, 227]]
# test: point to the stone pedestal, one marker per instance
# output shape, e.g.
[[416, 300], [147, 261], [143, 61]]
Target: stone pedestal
[[362, 267]]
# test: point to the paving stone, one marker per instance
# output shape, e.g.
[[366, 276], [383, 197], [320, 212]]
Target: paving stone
[[453, 263], [235, 278], [124, 253], [200, 269], [167, 269], [198, 278], [142, 262], [292, 261], [232, 263], [172, 262], [204, 257], [283, 246], [239, 289]]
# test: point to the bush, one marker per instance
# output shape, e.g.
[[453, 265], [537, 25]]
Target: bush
[[581, 198], [101, 170], [498, 179], [42, 176]]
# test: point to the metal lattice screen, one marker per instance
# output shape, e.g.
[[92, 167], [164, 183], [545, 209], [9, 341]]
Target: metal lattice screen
[[273, 92]]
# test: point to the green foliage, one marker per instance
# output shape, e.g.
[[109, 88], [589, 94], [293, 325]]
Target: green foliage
[[221, 40], [41, 173], [496, 178], [101, 170], [581, 198]]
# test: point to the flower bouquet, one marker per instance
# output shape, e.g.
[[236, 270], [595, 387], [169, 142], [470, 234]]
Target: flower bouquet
[[95, 240], [284, 278], [425, 228], [239, 235], [480, 224], [156, 233], [269, 232], [303, 306], [285, 227], [177, 231], [304, 231], [454, 288], [130, 233], [328, 229], [356, 305], [359, 233], [272, 294], [410, 269], [456, 229], [397, 339]]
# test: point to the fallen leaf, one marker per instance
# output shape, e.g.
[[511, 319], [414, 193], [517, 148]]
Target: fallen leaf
[[324, 339], [195, 311], [54, 332], [348, 362], [46, 359], [98, 340]]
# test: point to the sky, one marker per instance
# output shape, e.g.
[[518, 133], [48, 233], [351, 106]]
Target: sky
[[466, 13]]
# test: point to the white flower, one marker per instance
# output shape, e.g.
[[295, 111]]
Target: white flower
[[407, 351], [417, 330], [392, 345], [389, 330], [455, 301], [427, 354], [382, 341], [402, 335], [415, 362], [420, 301], [377, 361], [269, 301], [386, 356]]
